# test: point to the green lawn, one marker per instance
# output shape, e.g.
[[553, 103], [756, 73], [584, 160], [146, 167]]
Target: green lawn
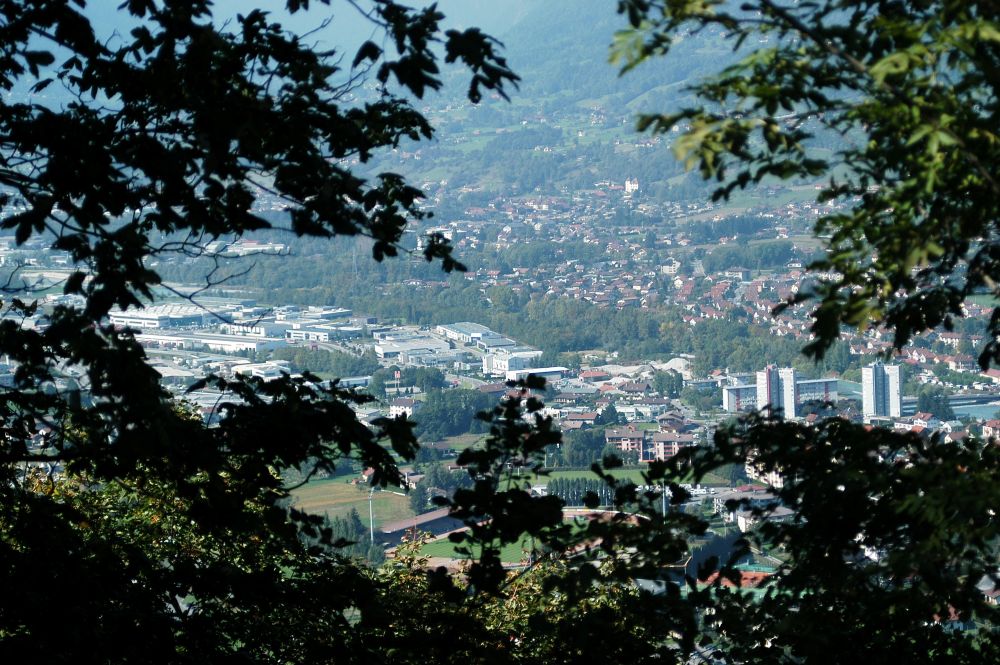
[[335, 497], [513, 553], [635, 475], [445, 549], [984, 299], [469, 142], [463, 441]]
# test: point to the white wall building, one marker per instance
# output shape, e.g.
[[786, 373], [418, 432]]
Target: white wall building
[[198, 341], [777, 391], [262, 329], [509, 359], [780, 389], [739, 398], [547, 373], [881, 391], [158, 317], [465, 332], [269, 371]]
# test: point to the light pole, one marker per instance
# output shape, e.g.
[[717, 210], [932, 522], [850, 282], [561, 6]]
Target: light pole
[[371, 514]]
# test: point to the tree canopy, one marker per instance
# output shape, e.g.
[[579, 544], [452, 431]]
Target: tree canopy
[[127, 524]]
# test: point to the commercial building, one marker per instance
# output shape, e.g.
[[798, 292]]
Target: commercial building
[[405, 344], [318, 331], [509, 359], [199, 341], [465, 332], [159, 317], [263, 329], [268, 371], [547, 373]]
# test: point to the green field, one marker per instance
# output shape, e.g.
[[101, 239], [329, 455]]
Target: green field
[[463, 441], [513, 553], [445, 549], [336, 497], [984, 299], [635, 475]]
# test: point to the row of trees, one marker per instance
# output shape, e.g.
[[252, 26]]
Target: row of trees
[[582, 448], [581, 491], [333, 363]]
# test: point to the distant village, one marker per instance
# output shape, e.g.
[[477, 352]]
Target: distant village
[[644, 255], [639, 265]]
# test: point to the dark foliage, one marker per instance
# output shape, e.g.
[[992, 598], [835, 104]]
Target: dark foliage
[[131, 529]]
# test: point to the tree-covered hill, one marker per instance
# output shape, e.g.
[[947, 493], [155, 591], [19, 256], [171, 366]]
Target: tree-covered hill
[[571, 122]]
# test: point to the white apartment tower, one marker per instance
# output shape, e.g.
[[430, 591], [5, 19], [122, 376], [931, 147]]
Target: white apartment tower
[[776, 391], [881, 393]]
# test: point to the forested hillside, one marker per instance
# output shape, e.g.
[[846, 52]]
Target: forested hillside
[[571, 123]]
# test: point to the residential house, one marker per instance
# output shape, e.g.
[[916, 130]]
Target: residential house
[[403, 406], [627, 439], [664, 445]]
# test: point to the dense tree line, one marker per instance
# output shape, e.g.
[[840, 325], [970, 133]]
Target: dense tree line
[[730, 226], [935, 400], [702, 399], [668, 383], [425, 379], [581, 491], [758, 256], [333, 363], [354, 537], [437, 481], [582, 448], [526, 138], [451, 412]]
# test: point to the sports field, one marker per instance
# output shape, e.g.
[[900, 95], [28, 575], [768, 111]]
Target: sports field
[[336, 497]]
